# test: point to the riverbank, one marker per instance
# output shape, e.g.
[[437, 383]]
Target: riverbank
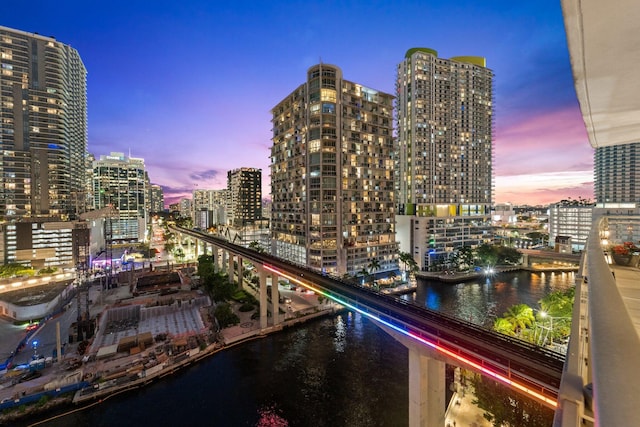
[[99, 378], [457, 277]]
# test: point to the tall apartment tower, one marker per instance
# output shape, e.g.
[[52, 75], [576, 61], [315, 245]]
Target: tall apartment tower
[[617, 176], [120, 181], [332, 175], [209, 207], [444, 160], [157, 198], [244, 196], [43, 126]]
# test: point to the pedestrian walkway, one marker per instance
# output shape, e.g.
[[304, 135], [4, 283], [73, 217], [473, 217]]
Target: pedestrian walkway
[[463, 413], [628, 283]]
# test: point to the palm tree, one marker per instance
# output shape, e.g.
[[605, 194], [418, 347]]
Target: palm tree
[[364, 273], [374, 265], [520, 316], [404, 257], [408, 261], [503, 326]]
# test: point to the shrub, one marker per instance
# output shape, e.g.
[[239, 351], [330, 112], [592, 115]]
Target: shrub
[[247, 306]]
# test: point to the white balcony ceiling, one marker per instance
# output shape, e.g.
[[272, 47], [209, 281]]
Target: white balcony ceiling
[[604, 46]]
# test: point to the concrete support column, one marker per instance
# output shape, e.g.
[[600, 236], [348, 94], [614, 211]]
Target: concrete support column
[[216, 261], [263, 299], [275, 298], [196, 248], [230, 269], [225, 261], [426, 389], [240, 272]]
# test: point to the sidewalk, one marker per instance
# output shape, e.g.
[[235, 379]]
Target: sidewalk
[[463, 413]]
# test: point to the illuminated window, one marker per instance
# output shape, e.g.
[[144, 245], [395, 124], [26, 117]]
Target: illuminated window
[[328, 95]]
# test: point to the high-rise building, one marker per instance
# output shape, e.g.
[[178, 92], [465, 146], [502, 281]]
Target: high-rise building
[[444, 160], [119, 181], [209, 207], [244, 196], [332, 175], [185, 207], [617, 175], [157, 198], [43, 126], [570, 221]]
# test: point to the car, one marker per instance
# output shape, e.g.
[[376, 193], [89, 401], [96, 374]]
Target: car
[[31, 327]]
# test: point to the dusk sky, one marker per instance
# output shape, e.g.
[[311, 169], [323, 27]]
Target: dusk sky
[[188, 86]]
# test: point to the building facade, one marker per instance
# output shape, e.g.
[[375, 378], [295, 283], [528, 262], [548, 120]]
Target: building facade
[[617, 176], [570, 221], [120, 181], [209, 208], [244, 196], [157, 198], [46, 244], [332, 175], [185, 207], [444, 179], [43, 126]]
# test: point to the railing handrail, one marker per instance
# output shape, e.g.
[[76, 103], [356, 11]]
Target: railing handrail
[[614, 343]]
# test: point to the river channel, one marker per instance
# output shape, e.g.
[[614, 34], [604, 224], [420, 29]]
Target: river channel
[[336, 371]]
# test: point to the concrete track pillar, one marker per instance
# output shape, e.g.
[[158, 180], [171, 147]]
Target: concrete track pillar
[[224, 262], [230, 269], [426, 389], [263, 299], [216, 260], [275, 298], [240, 273]]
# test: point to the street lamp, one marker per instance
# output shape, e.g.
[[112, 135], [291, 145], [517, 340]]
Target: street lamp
[[545, 315], [35, 349]]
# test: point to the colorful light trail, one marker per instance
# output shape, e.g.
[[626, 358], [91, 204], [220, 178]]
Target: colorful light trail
[[473, 364]]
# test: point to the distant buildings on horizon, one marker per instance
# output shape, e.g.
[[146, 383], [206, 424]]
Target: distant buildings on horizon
[[346, 196]]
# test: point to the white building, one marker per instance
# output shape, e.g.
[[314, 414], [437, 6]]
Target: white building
[[572, 219]]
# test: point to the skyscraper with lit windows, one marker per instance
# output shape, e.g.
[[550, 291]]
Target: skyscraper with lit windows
[[617, 175], [332, 175], [444, 161], [244, 196], [43, 126], [121, 182]]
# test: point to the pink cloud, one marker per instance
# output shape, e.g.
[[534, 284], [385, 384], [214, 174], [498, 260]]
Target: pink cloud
[[548, 142]]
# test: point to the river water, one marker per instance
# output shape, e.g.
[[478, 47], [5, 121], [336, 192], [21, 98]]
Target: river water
[[336, 371]]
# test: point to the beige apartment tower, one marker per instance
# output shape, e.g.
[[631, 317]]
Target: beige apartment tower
[[445, 151], [332, 176]]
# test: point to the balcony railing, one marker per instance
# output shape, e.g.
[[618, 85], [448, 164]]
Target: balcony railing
[[605, 345]]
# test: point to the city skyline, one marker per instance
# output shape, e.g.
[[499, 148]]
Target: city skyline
[[189, 88]]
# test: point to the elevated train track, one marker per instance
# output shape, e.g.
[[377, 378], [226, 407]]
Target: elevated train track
[[526, 367]]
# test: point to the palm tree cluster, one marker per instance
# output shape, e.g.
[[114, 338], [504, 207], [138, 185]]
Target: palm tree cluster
[[551, 320]]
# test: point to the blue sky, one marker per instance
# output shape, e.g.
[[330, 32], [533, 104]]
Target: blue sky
[[188, 86]]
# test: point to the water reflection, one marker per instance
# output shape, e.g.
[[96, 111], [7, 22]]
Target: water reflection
[[482, 300]]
